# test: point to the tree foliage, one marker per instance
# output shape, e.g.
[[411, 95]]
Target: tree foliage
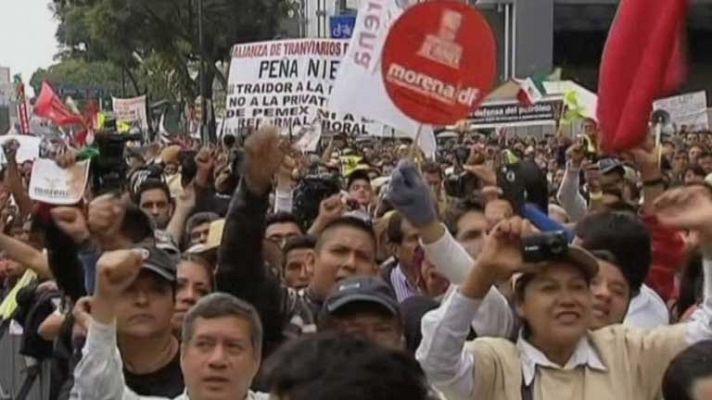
[[80, 73], [155, 42]]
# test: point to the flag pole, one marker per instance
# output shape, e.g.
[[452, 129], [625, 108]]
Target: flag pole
[[414, 146]]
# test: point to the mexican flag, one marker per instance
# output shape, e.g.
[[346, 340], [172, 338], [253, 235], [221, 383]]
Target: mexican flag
[[531, 90]]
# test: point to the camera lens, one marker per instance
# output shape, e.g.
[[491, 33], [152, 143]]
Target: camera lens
[[556, 245]]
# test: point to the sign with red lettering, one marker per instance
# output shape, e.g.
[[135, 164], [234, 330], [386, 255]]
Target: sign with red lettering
[[438, 62]]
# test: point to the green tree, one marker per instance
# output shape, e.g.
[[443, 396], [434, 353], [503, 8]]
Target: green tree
[[159, 38]]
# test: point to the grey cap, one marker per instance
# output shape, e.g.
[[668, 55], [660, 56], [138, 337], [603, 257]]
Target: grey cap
[[362, 289], [159, 262]]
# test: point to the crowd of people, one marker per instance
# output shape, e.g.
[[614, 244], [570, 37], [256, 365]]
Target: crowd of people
[[505, 268]]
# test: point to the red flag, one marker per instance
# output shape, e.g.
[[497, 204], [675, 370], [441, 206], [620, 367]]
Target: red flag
[[50, 106], [643, 60]]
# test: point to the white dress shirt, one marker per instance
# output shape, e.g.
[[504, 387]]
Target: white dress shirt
[[647, 310], [495, 317], [532, 358], [100, 375]]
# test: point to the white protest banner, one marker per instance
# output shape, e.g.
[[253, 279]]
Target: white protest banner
[[688, 110], [286, 83], [310, 138], [29, 147], [54, 185], [131, 112], [359, 86]]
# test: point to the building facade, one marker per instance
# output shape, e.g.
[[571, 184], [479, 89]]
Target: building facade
[[534, 36]]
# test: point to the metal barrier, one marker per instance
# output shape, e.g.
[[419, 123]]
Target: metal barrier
[[14, 369]]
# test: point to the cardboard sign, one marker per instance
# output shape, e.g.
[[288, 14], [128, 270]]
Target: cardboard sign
[[688, 112], [287, 83], [131, 112], [54, 185], [439, 61]]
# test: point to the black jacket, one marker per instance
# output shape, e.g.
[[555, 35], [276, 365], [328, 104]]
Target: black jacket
[[241, 271]]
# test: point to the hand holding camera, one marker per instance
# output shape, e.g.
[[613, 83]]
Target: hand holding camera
[[502, 254]]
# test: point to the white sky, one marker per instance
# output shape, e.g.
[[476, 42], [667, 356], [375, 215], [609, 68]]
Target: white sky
[[26, 36]]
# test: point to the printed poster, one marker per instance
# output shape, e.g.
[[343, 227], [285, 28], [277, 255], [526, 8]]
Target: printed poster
[[131, 112], [688, 112], [54, 185]]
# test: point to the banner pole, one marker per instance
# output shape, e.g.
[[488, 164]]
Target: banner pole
[[658, 139], [414, 146]]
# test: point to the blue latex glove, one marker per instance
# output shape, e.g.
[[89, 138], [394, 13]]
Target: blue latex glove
[[410, 195]]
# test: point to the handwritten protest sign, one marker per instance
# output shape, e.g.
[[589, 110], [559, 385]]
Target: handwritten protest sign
[[54, 185], [688, 111], [131, 112], [287, 83]]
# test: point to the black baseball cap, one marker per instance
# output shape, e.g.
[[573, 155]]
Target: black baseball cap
[[159, 262], [357, 174], [362, 290]]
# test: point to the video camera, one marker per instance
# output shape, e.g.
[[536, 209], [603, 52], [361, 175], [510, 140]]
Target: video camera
[[109, 170], [310, 192]]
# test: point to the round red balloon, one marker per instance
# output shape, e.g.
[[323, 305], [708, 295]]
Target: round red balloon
[[438, 61]]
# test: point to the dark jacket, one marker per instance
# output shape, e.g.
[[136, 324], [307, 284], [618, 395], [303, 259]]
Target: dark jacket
[[241, 271]]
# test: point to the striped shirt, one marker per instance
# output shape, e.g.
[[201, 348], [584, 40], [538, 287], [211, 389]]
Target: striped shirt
[[403, 288]]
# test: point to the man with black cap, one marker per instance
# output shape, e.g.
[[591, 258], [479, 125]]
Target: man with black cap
[[364, 306], [131, 313]]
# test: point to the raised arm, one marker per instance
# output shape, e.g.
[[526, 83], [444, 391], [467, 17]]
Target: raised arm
[[442, 353], [26, 255], [411, 197], [13, 180], [185, 203], [99, 375], [241, 270], [569, 195], [691, 209]]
